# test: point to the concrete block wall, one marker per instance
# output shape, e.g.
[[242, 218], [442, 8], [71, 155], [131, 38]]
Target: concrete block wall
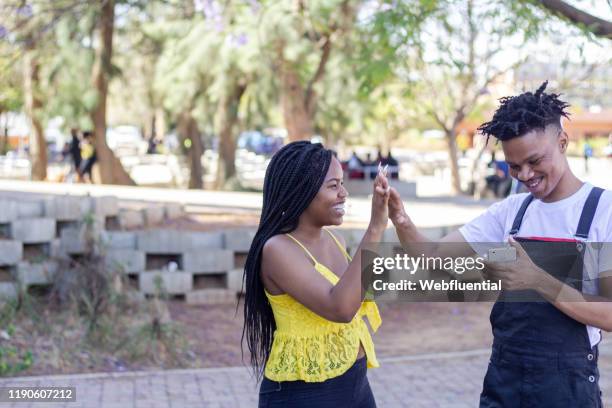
[[195, 264], [202, 267], [35, 233]]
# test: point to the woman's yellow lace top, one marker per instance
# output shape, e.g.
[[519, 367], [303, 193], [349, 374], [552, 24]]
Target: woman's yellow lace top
[[311, 348]]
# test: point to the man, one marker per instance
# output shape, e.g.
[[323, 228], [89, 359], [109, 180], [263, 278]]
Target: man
[[544, 351], [587, 150], [500, 183], [73, 149]]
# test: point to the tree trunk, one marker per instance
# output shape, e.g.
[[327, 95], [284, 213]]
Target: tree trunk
[[4, 140], [227, 116], [188, 130], [298, 117], [160, 123], [111, 169], [38, 144], [451, 137]]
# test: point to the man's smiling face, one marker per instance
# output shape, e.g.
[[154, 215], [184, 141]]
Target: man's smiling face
[[537, 159]]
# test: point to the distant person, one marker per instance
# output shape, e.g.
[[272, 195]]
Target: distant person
[[74, 149], [380, 159], [500, 183], [393, 164], [89, 157], [370, 167], [355, 167], [588, 153], [152, 146]]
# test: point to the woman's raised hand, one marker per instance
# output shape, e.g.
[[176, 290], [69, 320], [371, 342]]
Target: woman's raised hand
[[380, 200]]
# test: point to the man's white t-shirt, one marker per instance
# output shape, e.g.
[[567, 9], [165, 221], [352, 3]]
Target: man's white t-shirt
[[558, 219]]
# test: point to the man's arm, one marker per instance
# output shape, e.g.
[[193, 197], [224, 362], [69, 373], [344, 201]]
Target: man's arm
[[587, 309], [525, 274]]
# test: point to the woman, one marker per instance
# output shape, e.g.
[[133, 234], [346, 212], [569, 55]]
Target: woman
[[303, 306]]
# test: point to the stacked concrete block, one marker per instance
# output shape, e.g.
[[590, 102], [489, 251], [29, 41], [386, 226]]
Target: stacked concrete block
[[129, 260], [210, 297], [172, 282], [11, 252], [8, 214], [208, 266], [158, 241], [167, 241], [234, 280], [130, 219], [73, 241], [106, 206], [239, 240], [56, 250], [9, 211], [199, 240], [153, 215], [8, 290], [36, 273], [208, 260], [66, 208], [30, 209], [119, 239], [173, 210], [198, 253], [33, 230]]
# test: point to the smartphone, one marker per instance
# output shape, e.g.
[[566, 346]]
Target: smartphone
[[504, 254]]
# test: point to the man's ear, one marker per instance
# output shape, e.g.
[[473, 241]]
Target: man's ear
[[563, 141]]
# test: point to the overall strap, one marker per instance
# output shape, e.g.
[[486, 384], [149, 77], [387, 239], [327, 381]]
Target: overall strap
[[304, 248], [516, 225], [588, 212], [342, 249]]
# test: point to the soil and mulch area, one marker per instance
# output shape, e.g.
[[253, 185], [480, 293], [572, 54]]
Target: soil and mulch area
[[209, 336], [45, 342], [407, 329]]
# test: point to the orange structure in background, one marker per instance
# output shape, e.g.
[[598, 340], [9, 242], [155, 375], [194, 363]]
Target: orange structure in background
[[579, 126], [589, 124]]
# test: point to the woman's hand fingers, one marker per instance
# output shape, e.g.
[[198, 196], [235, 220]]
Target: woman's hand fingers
[[382, 192], [381, 179]]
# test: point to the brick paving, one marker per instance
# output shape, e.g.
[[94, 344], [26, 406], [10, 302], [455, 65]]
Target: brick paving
[[446, 380]]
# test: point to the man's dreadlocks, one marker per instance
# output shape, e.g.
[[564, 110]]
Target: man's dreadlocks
[[518, 115]]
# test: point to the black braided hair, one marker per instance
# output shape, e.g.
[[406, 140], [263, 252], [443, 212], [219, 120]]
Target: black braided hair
[[293, 178], [518, 115]]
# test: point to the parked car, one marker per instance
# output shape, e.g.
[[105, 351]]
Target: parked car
[[253, 153], [126, 140]]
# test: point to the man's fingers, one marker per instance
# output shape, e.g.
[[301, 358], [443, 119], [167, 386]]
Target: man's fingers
[[520, 251], [513, 242]]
